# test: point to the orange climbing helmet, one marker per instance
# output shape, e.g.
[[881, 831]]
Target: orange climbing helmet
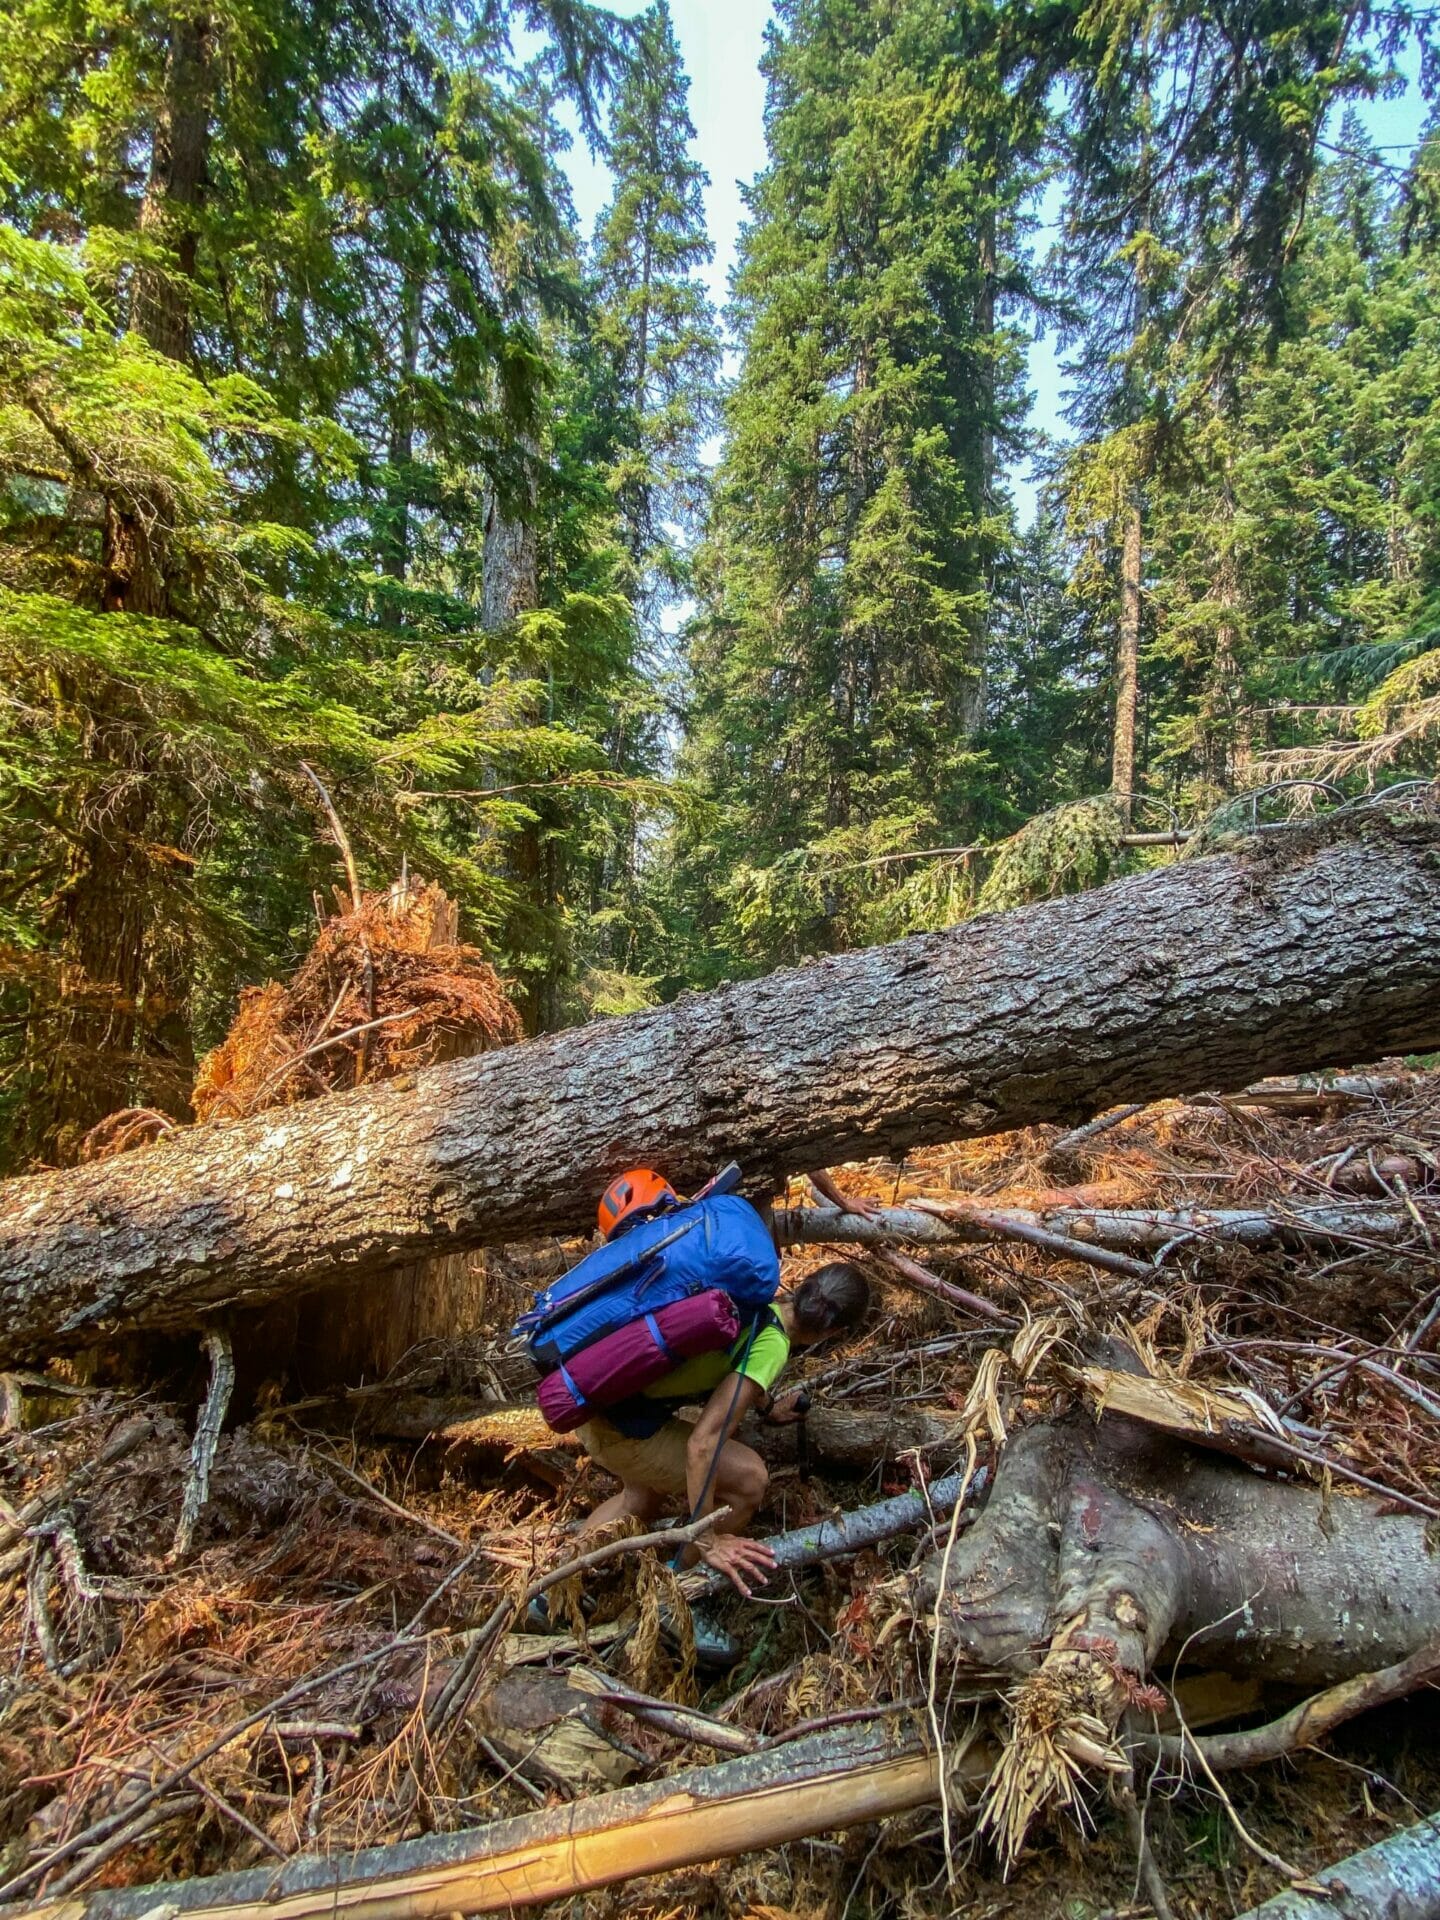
[[633, 1197]]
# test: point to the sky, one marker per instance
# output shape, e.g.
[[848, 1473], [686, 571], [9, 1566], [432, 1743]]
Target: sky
[[721, 43]]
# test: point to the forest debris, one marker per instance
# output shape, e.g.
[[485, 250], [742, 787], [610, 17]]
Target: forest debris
[[914, 1275], [1303, 1725], [831, 1780], [391, 976], [196, 1655], [1103, 1236], [1228, 1424]]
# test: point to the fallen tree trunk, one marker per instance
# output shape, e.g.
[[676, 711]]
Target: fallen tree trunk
[[843, 1436], [1107, 1553], [1244, 1573], [831, 1780], [1397, 1879], [1307, 949], [1073, 1231]]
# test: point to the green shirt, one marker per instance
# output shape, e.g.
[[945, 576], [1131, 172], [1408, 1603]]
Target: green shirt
[[697, 1378]]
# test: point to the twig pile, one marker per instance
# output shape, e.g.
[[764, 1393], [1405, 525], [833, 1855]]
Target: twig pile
[[387, 987]]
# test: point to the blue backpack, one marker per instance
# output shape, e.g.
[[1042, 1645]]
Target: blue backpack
[[720, 1242]]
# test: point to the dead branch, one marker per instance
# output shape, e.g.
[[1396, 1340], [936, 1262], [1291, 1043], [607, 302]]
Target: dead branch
[[1303, 1725], [207, 1437], [126, 1438], [832, 1780], [1099, 1235], [1078, 1137], [914, 1275], [848, 1533]]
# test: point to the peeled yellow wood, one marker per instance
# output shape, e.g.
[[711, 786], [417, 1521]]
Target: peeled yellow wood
[[836, 1779]]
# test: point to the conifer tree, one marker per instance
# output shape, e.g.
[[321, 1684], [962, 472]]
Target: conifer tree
[[839, 658], [330, 240], [657, 328]]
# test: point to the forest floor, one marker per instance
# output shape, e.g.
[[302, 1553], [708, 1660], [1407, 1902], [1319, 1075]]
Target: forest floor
[[160, 1716]]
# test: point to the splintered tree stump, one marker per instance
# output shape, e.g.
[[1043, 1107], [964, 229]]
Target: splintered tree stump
[[1304, 949]]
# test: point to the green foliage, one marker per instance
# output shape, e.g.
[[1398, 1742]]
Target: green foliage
[[250, 413], [1063, 851], [838, 657]]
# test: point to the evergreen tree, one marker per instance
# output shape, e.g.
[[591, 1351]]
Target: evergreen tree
[[839, 658], [331, 242], [657, 329]]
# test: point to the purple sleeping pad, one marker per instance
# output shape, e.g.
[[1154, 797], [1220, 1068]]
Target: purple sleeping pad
[[635, 1356]]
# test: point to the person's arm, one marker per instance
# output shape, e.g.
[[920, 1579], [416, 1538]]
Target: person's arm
[[720, 1416], [846, 1202], [738, 1558]]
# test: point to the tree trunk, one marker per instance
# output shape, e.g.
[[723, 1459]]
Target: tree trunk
[[179, 153], [395, 537], [1127, 662], [102, 1042], [830, 1780], [510, 583], [1250, 1574], [511, 588], [1303, 950]]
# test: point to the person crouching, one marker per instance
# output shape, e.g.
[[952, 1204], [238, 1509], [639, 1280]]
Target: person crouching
[[661, 1460]]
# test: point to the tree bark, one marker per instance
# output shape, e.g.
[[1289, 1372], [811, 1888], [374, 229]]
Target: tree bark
[[830, 1780], [1398, 1878], [395, 535], [1296, 952], [1127, 662], [179, 155]]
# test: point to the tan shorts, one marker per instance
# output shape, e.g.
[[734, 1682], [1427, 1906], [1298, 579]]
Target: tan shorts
[[657, 1463]]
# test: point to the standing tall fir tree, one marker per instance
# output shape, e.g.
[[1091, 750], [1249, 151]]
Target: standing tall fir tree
[[839, 654], [657, 335]]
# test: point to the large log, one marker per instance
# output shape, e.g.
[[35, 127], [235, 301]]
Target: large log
[[1301, 951], [830, 1780]]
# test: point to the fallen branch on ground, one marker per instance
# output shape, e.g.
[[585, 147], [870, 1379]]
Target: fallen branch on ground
[[1302, 1726], [1100, 1235], [836, 1779]]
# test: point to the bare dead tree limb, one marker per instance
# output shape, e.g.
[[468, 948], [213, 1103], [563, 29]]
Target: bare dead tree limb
[[207, 1437]]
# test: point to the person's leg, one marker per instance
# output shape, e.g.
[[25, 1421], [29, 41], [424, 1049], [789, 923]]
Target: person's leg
[[651, 1471], [631, 1502]]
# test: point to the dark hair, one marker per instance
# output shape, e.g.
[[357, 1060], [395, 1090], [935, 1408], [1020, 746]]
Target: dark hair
[[833, 1299]]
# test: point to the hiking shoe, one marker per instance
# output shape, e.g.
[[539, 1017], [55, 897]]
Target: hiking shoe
[[714, 1647]]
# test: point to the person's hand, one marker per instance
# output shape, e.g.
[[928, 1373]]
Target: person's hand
[[738, 1559], [857, 1203], [788, 1410]]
